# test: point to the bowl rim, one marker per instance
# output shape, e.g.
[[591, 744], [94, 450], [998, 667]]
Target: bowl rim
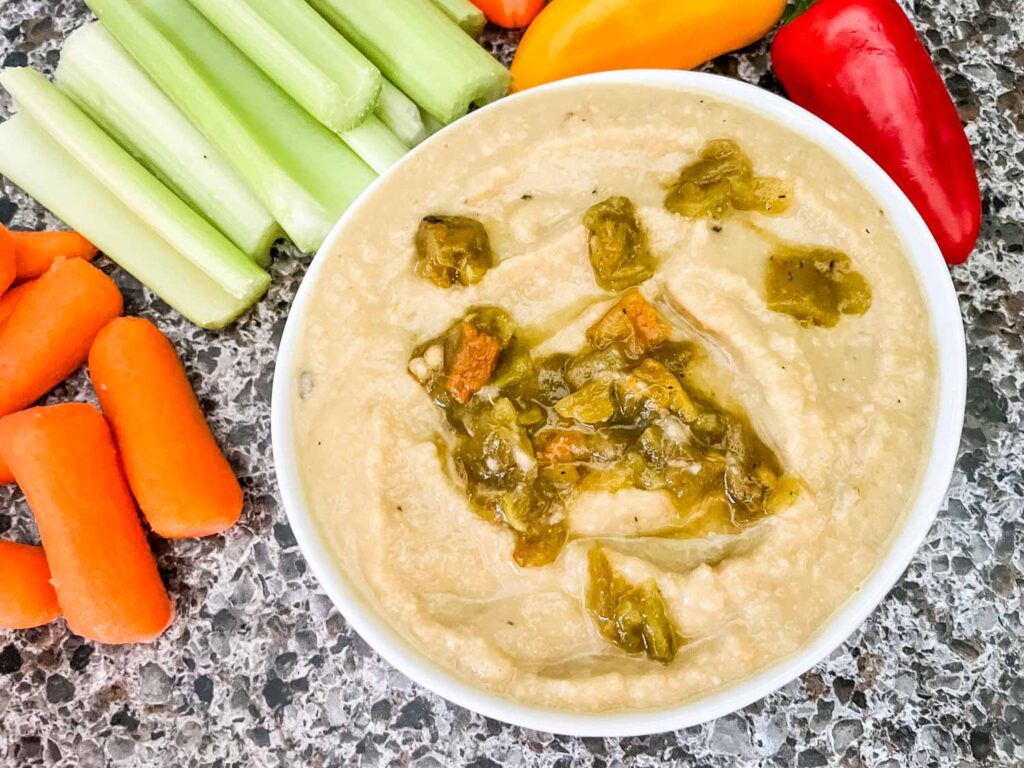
[[944, 309]]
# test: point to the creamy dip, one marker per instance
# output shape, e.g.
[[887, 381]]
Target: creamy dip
[[847, 409]]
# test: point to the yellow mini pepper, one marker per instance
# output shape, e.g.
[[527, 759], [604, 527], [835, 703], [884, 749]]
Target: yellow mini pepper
[[574, 37]]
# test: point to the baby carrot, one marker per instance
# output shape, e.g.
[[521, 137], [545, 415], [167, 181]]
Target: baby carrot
[[105, 577], [27, 598], [6, 478], [35, 252], [12, 297], [183, 483], [49, 333], [8, 264]]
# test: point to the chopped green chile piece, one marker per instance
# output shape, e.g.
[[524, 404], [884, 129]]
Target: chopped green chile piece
[[632, 617], [678, 356], [592, 404], [816, 286], [452, 250], [619, 251], [497, 452], [540, 547], [634, 323], [592, 363], [552, 384], [722, 180], [517, 369], [653, 386]]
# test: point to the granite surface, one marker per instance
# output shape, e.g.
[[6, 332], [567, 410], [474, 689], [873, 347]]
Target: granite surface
[[261, 670]]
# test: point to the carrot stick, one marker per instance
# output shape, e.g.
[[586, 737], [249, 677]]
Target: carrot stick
[[27, 598], [64, 459], [8, 263], [36, 252], [6, 478], [11, 298], [51, 329], [184, 485]]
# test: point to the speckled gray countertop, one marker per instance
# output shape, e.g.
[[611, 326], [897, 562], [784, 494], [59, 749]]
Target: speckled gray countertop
[[260, 670]]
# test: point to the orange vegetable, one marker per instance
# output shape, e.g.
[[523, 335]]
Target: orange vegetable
[[49, 333], [6, 478], [8, 264], [11, 298], [36, 251], [574, 37], [473, 365], [27, 598], [184, 485], [511, 14], [104, 574]]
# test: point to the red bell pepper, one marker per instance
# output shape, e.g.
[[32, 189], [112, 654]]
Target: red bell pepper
[[859, 65], [511, 14]]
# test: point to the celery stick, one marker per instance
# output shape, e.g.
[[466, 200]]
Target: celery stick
[[303, 173], [40, 166], [400, 113], [103, 80], [376, 144], [431, 125], [421, 51], [133, 185], [303, 54], [465, 14]]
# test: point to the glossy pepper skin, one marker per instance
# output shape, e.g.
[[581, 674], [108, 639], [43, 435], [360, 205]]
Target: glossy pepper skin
[[511, 14], [860, 66], [576, 37]]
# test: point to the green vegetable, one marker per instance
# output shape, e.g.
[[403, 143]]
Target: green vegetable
[[654, 387], [722, 180], [619, 251], [430, 123], [634, 618], [40, 166], [452, 250], [168, 217], [541, 546], [593, 363], [592, 404], [107, 84], [465, 14], [376, 144], [303, 173], [421, 51], [816, 286], [303, 54], [400, 113], [314, 65], [634, 323]]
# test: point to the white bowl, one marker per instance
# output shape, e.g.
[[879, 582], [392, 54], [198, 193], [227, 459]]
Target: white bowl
[[952, 377]]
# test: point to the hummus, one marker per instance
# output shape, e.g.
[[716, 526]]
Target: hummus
[[846, 409]]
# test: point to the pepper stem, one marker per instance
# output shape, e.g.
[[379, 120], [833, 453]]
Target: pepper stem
[[796, 8]]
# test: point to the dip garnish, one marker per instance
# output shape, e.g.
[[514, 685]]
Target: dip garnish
[[621, 413], [633, 323], [722, 181], [619, 251], [815, 285], [632, 617], [452, 250]]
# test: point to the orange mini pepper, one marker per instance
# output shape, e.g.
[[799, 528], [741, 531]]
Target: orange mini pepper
[[575, 37]]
